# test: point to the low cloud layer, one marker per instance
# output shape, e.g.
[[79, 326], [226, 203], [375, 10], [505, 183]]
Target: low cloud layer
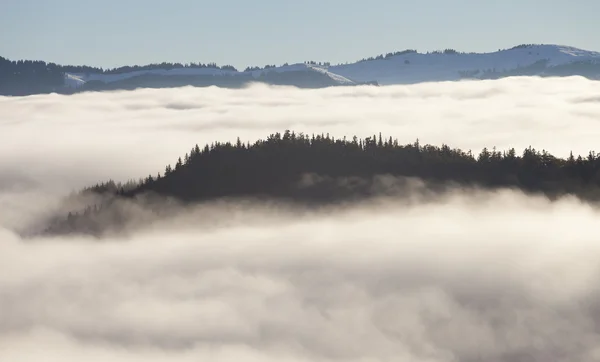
[[471, 276], [476, 277]]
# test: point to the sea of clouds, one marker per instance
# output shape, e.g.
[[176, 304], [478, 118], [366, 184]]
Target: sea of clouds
[[470, 276]]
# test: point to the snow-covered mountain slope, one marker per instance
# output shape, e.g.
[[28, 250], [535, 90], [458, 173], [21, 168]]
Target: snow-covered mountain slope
[[336, 77], [73, 81], [413, 67]]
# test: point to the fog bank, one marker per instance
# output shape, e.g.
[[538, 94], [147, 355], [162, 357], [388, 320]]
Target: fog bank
[[476, 277], [470, 276]]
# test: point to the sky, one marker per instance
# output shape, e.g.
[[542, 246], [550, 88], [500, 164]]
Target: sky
[[111, 33]]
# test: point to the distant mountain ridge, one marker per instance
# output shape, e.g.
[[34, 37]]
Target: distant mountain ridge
[[413, 67], [403, 67]]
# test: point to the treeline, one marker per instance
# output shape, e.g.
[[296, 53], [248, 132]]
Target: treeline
[[277, 167], [111, 187], [521, 46], [266, 67], [448, 51], [84, 69], [24, 77], [388, 55], [153, 66], [272, 166], [27, 77], [271, 66]]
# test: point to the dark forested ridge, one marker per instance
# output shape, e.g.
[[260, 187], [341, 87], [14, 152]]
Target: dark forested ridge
[[320, 169], [300, 79], [26, 77]]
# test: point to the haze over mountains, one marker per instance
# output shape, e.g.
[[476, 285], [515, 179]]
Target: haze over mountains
[[403, 67]]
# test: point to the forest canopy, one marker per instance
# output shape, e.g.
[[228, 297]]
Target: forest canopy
[[275, 167]]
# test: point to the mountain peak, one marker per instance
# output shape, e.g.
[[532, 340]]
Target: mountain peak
[[447, 65]]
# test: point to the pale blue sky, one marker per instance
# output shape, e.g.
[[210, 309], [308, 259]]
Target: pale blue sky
[[110, 33]]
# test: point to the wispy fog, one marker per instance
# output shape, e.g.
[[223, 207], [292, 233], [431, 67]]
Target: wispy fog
[[477, 277], [467, 276]]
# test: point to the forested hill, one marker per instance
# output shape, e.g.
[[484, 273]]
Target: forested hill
[[29, 77], [320, 169]]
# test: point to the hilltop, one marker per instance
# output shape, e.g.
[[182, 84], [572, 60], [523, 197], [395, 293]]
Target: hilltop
[[320, 170], [410, 66]]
